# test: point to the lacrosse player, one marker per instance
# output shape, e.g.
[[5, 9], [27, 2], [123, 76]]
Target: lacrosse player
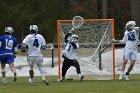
[[8, 49], [35, 42], [131, 41], [69, 55]]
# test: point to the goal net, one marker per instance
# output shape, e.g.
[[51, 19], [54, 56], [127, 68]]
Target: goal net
[[96, 52]]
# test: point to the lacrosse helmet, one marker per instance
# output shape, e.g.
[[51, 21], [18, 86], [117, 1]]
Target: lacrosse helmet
[[130, 24], [9, 30], [33, 28], [75, 38]]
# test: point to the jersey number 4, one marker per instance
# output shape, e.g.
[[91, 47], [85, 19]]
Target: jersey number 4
[[36, 44]]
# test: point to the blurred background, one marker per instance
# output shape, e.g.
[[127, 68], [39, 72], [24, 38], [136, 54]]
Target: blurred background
[[20, 14]]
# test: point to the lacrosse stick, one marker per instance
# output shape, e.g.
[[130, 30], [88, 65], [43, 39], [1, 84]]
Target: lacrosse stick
[[49, 46], [76, 23], [94, 56]]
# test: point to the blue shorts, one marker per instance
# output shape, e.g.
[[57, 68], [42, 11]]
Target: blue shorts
[[6, 59]]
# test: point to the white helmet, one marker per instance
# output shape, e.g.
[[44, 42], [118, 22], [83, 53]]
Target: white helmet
[[75, 38], [9, 30], [34, 27], [130, 24]]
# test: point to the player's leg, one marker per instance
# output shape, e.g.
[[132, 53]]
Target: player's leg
[[126, 56], [30, 61], [129, 69], [77, 66], [123, 68], [39, 61], [31, 73], [65, 67], [132, 60], [3, 72], [10, 61], [42, 74], [13, 69]]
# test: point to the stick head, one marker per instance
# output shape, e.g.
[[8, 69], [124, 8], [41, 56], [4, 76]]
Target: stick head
[[77, 21]]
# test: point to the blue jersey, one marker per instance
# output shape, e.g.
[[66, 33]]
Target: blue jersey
[[8, 45]]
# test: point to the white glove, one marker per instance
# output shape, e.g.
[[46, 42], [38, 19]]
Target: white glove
[[115, 41], [72, 29], [136, 28], [69, 40], [49, 46]]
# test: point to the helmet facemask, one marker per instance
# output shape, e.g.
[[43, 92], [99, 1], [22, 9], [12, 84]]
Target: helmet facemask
[[33, 28], [75, 38], [130, 25]]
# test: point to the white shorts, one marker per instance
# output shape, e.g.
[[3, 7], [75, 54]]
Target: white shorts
[[35, 60], [130, 54]]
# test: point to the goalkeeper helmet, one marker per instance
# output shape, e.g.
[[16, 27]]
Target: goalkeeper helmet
[[33, 28], [9, 30], [75, 38], [130, 24]]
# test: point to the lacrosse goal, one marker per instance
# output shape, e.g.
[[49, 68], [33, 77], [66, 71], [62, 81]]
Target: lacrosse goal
[[96, 54]]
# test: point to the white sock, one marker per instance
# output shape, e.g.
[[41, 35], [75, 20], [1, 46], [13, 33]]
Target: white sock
[[42, 73], [121, 73]]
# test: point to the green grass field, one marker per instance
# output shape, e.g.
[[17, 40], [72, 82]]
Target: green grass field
[[72, 86]]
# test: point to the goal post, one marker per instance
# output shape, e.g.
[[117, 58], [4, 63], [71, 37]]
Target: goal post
[[95, 40]]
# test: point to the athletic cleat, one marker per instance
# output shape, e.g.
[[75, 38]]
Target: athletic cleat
[[4, 81], [126, 77], [81, 78], [46, 82], [62, 79], [31, 81]]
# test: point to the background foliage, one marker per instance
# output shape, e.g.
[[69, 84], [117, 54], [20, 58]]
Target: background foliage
[[21, 13]]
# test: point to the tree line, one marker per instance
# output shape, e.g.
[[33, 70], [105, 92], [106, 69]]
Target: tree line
[[20, 14]]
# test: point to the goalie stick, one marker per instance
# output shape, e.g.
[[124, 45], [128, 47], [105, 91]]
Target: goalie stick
[[77, 22]]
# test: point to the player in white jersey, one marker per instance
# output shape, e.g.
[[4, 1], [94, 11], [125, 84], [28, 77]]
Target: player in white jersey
[[69, 55], [35, 42], [131, 40]]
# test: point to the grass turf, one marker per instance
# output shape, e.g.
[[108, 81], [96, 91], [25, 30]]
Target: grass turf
[[72, 86]]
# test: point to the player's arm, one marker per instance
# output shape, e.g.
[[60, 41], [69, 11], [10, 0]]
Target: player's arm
[[120, 41], [75, 45], [15, 47], [24, 46], [68, 37], [43, 43], [125, 37]]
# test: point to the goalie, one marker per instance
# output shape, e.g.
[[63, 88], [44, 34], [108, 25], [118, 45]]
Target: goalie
[[69, 55], [131, 41]]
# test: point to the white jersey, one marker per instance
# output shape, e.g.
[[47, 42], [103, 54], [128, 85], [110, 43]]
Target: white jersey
[[69, 51], [131, 39], [34, 42]]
